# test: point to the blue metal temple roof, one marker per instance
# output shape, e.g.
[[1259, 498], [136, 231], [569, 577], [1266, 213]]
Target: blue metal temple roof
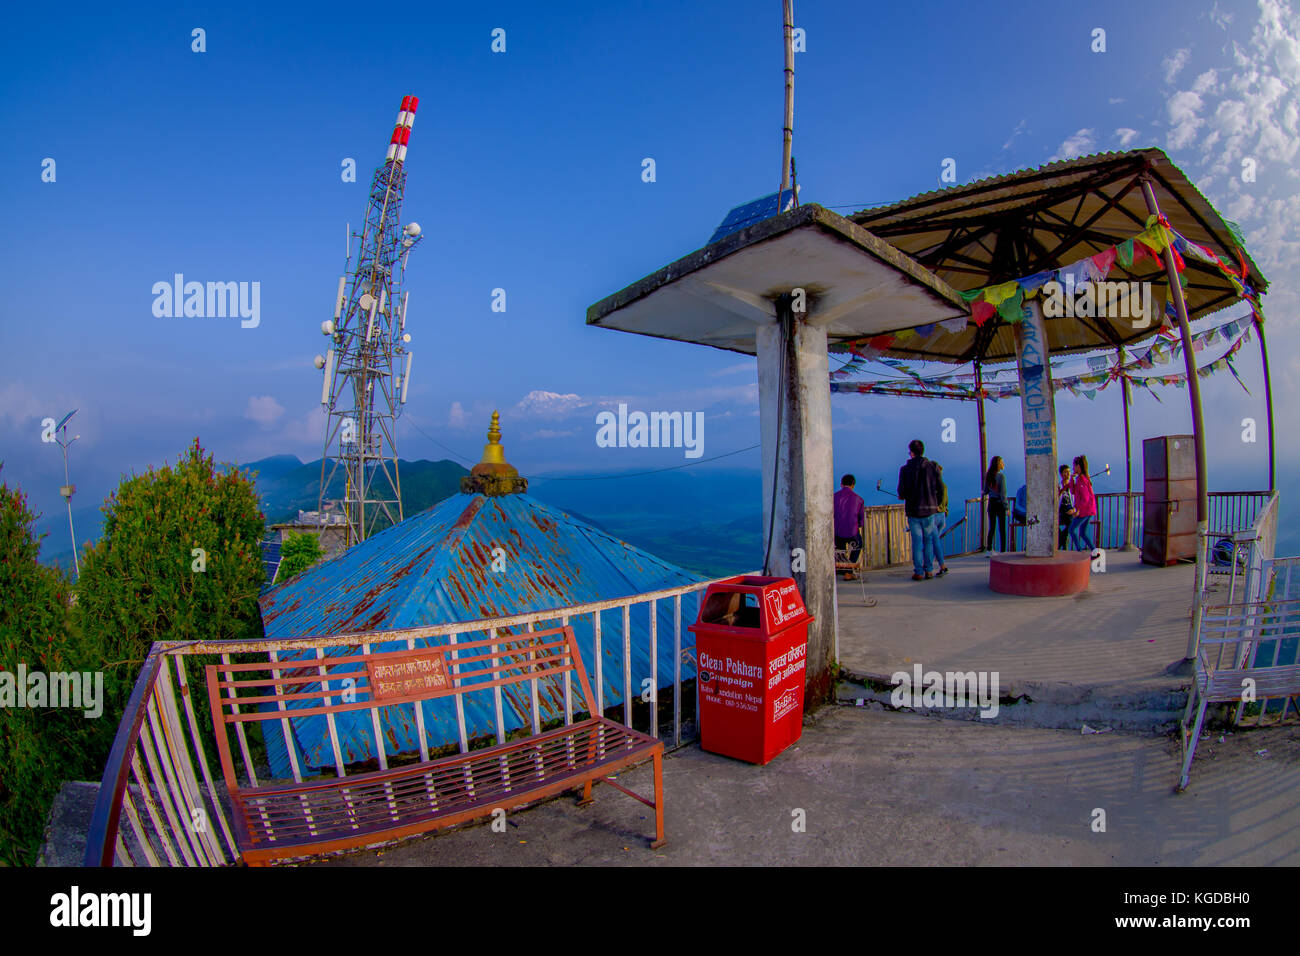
[[436, 567]]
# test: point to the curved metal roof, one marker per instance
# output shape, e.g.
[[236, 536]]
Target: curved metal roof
[[436, 568], [1012, 226]]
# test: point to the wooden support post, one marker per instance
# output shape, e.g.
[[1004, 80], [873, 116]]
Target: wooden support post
[[795, 419], [1038, 415], [984, 461], [1268, 400], [1198, 424], [1128, 462]]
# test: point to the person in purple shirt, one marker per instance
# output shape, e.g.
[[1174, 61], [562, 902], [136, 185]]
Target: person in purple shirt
[[849, 508]]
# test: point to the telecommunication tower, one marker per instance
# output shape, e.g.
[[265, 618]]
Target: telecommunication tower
[[368, 365]]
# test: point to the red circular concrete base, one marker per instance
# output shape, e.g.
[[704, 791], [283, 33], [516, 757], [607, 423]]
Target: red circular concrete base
[[1067, 573]]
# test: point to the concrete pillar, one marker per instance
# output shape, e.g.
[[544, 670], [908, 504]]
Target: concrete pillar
[[1038, 418], [795, 418], [1129, 510]]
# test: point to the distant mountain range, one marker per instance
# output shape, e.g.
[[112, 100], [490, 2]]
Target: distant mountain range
[[288, 486], [707, 520], [285, 486]]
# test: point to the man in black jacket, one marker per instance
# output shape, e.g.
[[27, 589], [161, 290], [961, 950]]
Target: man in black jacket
[[918, 486]]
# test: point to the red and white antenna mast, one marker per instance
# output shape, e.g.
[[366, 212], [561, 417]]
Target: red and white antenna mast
[[368, 365]]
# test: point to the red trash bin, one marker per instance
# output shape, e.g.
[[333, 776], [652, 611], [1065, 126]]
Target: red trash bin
[[751, 641]]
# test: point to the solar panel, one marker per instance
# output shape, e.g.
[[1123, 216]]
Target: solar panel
[[756, 210], [270, 558]]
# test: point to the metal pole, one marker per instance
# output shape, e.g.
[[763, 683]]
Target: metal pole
[[1198, 424], [788, 133], [67, 482], [979, 412], [1128, 461], [1268, 400]]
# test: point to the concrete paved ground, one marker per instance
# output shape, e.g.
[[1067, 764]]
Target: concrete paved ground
[[1125, 629], [881, 788]]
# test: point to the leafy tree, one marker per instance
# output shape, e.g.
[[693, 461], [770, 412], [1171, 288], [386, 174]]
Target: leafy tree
[[40, 747], [299, 552], [179, 558]]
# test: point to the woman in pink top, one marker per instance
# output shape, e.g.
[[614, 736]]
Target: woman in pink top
[[1085, 506]]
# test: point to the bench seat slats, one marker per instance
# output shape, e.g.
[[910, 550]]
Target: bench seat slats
[[277, 820], [1237, 634], [368, 805]]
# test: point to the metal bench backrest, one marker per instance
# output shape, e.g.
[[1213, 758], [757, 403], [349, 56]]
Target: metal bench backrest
[[1235, 629], [240, 693]]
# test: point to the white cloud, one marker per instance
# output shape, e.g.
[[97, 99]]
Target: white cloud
[[1245, 115], [1207, 82], [738, 368], [1080, 144], [18, 405], [1183, 109], [456, 417], [1125, 135], [1020, 128], [538, 402], [264, 410], [1174, 63]]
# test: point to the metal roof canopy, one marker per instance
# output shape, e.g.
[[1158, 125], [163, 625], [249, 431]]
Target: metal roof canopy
[[855, 284], [1012, 226]]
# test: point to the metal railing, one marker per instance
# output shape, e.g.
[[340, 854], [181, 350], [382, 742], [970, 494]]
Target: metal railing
[[1113, 513], [1247, 560], [888, 542], [159, 803], [1230, 511]]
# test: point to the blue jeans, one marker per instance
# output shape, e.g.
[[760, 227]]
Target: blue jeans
[[921, 529], [934, 541], [1081, 533]]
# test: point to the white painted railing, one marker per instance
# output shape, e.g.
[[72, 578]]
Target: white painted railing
[[1249, 570], [159, 803]]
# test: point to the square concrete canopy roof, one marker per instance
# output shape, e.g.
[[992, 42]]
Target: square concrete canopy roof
[[855, 284]]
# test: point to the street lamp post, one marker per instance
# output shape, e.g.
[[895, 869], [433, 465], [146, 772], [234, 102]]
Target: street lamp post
[[68, 489]]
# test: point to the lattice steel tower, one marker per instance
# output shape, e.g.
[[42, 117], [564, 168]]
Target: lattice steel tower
[[368, 366]]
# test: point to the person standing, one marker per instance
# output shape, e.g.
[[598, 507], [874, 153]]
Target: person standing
[[1065, 511], [1085, 506], [995, 486], [934, 543], [849, 510], [918, 487]]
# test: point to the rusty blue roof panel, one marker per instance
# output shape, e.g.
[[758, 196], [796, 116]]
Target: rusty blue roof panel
[[437, 567]]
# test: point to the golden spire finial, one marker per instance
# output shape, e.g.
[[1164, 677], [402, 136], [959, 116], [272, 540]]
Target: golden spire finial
[[493, 475], [493, 453]]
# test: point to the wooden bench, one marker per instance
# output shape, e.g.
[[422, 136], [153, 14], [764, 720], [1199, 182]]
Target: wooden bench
[[1240, 647], [326, 814], [843, 564]]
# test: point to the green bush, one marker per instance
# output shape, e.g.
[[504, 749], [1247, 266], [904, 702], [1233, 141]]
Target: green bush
[[299, 552], [179, 559], [40, 747], [141, 582]]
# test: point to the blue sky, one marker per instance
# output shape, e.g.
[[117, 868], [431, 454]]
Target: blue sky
[[525, 173]]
